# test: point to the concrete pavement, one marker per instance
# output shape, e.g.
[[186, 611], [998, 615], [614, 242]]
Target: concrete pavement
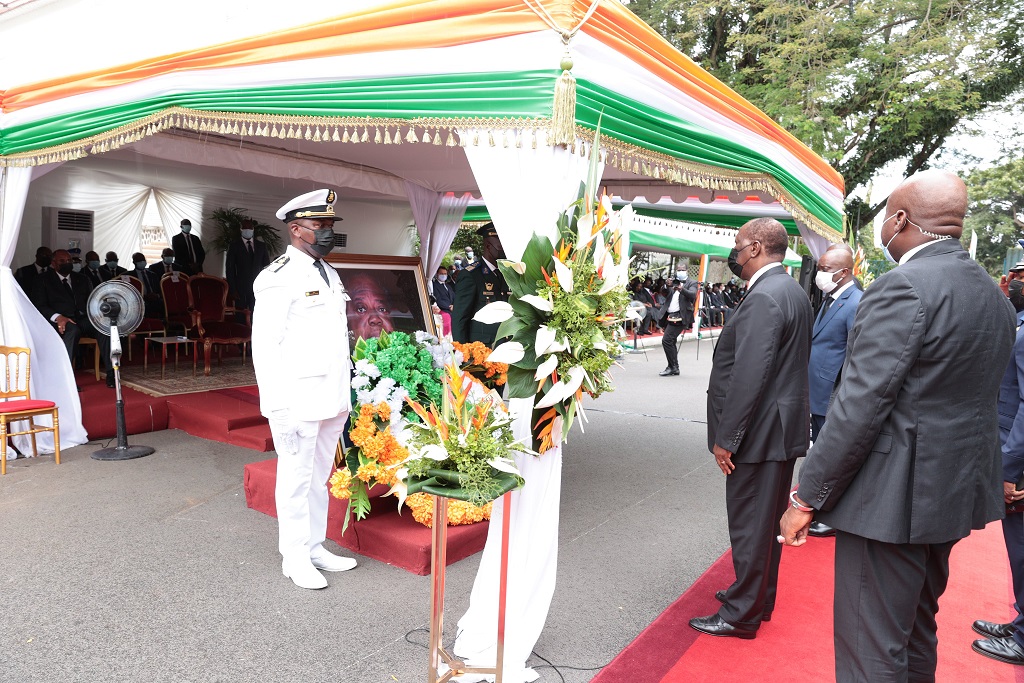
[[154, 569]]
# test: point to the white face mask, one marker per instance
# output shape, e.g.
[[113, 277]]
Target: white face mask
[[140, 265], [680, 275], [186, 229], [247, 234], [77, 267], [469, 255], [823, 281], [442, 278]]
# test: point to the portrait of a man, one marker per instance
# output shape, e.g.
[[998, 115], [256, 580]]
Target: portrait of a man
[[381, 300]]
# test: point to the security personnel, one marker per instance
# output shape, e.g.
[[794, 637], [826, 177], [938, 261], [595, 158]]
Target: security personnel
[[300, 352], [478, 285]]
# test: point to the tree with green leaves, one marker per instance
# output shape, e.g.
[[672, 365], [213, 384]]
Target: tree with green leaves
[[996, 212], [862, 83]]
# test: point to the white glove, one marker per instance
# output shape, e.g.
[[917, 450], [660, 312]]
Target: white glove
[[284, 429]]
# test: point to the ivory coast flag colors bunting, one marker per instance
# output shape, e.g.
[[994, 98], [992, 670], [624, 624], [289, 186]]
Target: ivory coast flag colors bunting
[[407, 71]]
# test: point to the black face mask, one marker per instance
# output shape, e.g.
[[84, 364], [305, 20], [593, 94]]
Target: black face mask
[[734, 265], [66, 268], [1016, 288], [44, 261], [324, 240]]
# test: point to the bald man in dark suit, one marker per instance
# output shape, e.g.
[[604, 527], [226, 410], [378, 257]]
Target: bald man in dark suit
[[758, 421], [908, 461]]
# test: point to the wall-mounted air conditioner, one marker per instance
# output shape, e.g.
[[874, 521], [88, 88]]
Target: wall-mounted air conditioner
[[340, 241], [68, 229]]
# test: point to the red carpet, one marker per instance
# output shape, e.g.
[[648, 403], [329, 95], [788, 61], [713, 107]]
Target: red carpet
[[384, 535], [797, 644]]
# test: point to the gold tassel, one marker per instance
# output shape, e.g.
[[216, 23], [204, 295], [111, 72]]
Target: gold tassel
[[344, 137], [563, 111], [336, 137], [476, 139], [411, 136], [387, 136], [377, 138], [426, 137], [366, 135], [451, 139], [490, 138]]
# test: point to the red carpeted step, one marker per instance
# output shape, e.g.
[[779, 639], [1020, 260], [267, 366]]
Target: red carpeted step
[[257, 437], [384, 535], [142, 413], [210, 412], [796, 645]]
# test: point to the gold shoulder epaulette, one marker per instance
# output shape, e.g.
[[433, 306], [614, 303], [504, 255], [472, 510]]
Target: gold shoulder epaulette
[[278, 263], [472, 267]]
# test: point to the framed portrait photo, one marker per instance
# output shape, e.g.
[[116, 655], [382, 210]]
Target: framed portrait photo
[[386, 293]]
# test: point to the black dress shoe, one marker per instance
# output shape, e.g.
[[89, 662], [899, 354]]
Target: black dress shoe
[[720, 596], [714, 625], [1003, 649], [992, 630], [110, 379], [668, 372], [820, 530]]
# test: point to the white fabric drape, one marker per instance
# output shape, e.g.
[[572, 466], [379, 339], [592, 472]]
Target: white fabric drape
[[175, 206], [438, 217], [816, 244], [21, 325], [525, 190]]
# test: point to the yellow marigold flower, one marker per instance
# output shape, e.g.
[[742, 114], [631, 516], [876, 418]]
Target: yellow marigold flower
[[383, 411], [366, 472], [340, 482]]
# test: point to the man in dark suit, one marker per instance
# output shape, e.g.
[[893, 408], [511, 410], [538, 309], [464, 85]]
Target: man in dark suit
[[758, 420], [26, 276], [675, 315], [165, 265], [110, 269], [92, 268], [479, 284], [151, 295], [246, 258], [908, 461], [832, 327], [188, 249], [1005, 642], [61, 295]]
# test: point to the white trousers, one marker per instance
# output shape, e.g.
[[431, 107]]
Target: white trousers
[[305, 455]]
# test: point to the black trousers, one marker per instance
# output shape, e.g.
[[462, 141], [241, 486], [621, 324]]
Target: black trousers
[[756, 495], [886, 597], [668, 342], [83, 328], [1013, 536], [817, 422]]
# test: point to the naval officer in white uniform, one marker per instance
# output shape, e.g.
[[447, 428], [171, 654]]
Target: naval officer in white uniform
[[300, 351]]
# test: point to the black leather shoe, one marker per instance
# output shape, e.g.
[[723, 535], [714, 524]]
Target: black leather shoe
[[992, 630], [765, 616], [820, 530], [1003, 649], [668, 372], [720, 596], [714, 625]]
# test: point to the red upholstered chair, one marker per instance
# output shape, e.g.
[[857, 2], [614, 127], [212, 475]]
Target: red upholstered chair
[[208, 297], [149, 326], [176, 301], [16, 405]]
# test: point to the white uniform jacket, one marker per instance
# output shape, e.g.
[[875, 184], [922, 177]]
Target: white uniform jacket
[[300, 339]]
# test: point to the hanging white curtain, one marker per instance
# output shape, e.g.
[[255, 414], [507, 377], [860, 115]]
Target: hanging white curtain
[[425, 204], [525, 190], [175, 206], [449, 218], [815, 242], [21, 325]]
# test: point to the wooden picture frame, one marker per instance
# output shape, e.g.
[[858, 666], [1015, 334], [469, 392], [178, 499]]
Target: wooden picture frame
[[395, 283]]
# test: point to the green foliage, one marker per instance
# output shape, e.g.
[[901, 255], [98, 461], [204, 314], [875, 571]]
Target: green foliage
[[996, 212], [228, 227], [399, 357], [861, 83]]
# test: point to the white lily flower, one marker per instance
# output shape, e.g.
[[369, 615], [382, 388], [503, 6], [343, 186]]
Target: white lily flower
[[606, 204], [555, 394], [400, 490], [431, 451], [503, 464], [576, 376], [496, 312], [600, 249], [509, 352], [545, 341], [584, 226], [534, 300], [612, 275], [546, 368], [519, 266], [556, 429], [564, 274]]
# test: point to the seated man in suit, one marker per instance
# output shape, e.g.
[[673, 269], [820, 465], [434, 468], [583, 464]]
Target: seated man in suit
[[150, 286], [165, 265], [92, 268], [61, 295], [26, 276], [110, 269]]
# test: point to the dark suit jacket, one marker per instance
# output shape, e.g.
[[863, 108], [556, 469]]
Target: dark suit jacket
[[757, 393], [1011, 409], [687, 296], [27, 276], [179, 243], [478, 286], [93, 275], [910, 449], [108, 274], [444, 295], [828, 347], [51, 296], [241, 269], [158, 269]]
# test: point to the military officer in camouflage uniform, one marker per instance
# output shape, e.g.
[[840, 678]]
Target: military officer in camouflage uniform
[[478, 285]]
